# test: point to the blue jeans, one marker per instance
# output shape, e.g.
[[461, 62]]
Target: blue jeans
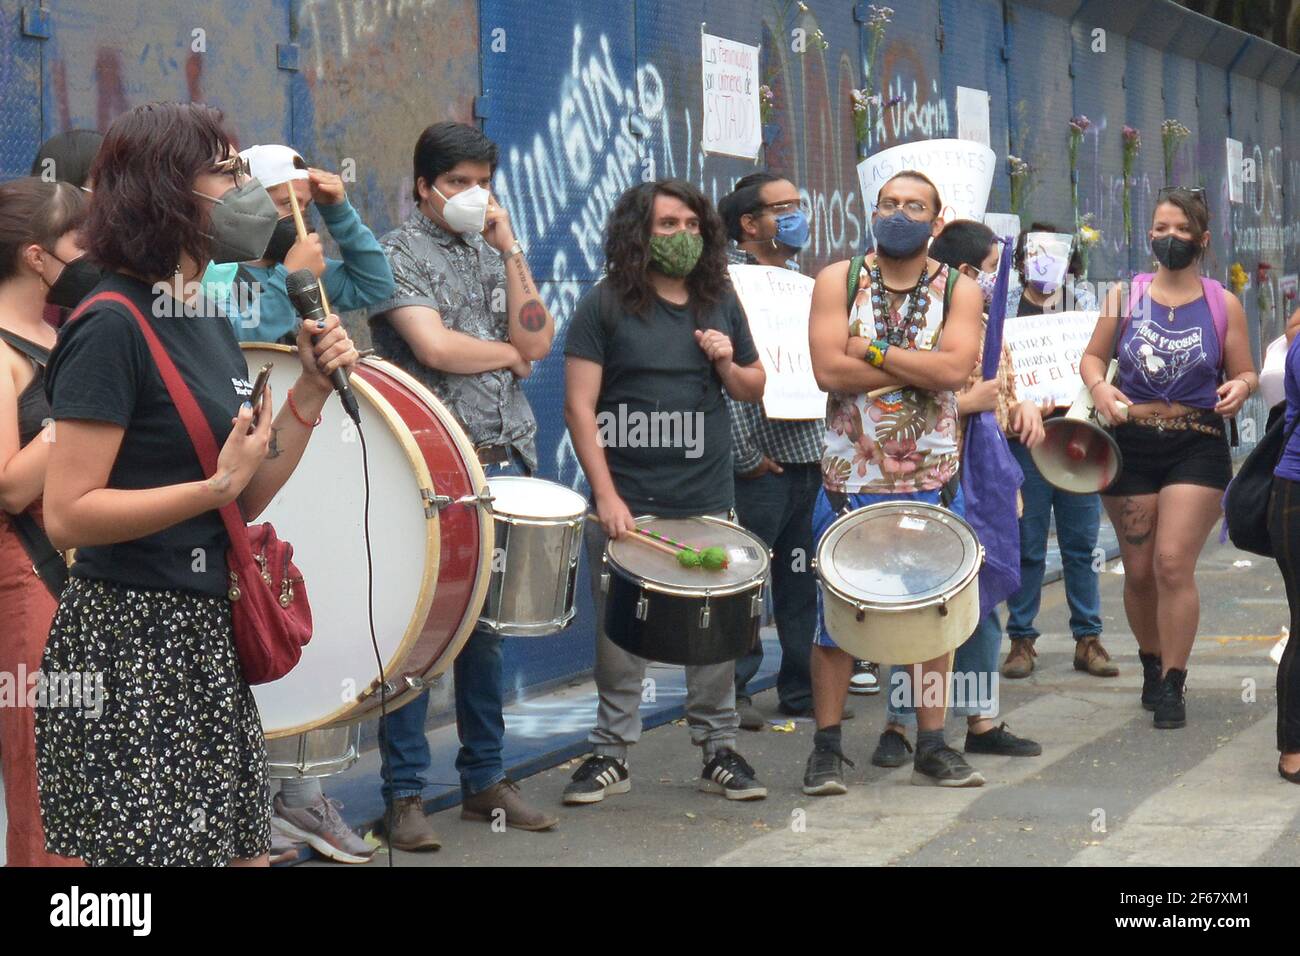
[[403, 748], [1078, 518], [778, 508], [974, 687]]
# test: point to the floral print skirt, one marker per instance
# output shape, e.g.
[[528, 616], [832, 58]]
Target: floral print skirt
[[149, 747]]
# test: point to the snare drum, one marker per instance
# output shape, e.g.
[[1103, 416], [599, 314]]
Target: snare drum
[[429, 532], [900, 581], [535, 563], [317, 753], [659, 610]]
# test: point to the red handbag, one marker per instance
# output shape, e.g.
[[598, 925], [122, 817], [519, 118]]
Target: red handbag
[[269, 611]]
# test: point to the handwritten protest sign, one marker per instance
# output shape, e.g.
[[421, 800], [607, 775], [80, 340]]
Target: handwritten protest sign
[[1047, 258], [731, 123], [1045, 352], [963, 171], [777, 303]]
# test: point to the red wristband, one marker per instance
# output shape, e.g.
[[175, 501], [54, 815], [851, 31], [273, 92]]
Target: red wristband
[[294, 409]]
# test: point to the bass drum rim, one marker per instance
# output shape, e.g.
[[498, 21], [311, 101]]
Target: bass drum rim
[[486, 536], [432, 545]]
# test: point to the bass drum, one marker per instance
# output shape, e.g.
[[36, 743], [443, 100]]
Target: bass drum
[[431, 534]]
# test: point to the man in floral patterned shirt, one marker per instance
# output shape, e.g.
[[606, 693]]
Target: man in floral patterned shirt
[[892, 379]]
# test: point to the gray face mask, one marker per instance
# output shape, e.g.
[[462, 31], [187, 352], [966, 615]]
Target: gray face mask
[[242, 222]]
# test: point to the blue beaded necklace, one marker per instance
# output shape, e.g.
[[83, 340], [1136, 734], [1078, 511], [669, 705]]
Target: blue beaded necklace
[[913, 311]]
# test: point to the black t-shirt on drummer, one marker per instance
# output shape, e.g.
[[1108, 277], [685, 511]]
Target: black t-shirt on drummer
[[661, 414], [102, 370]]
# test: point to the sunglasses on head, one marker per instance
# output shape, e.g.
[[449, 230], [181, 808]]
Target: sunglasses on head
[[1196, 192], [234, 165]]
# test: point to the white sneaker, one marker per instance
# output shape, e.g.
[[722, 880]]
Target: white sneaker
[[865, 679]]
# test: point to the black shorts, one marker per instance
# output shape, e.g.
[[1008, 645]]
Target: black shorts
[[1154, 459]]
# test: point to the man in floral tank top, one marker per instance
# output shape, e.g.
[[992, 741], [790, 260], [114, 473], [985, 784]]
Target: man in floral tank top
[[891, 358]]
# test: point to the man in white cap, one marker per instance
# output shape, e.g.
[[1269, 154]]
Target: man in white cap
[[258, 305], [259, 309]]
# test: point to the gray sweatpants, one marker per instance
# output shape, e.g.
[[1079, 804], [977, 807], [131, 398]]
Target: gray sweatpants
[[710, 689]]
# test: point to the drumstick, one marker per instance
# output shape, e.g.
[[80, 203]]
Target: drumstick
[[302, 236], [715, 559], [657, 545]]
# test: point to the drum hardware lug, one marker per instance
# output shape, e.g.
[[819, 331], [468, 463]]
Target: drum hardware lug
[[642, 607], [756, 604], [391, 688], [704, 615], [862, 613], [604, 582], [943, 607], [435, 503]]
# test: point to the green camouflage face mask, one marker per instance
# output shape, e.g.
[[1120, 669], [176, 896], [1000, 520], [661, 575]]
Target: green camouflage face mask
[[676, 255]]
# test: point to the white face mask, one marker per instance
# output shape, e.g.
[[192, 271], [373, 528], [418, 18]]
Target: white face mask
[[466, 212]]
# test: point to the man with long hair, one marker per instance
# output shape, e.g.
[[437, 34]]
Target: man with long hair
[[663, 319], [894, 349]]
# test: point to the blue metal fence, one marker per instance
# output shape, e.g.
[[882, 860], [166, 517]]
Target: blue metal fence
[[586, 97]]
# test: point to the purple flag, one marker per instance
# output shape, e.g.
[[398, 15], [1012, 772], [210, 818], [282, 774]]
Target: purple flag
[[990, 475]]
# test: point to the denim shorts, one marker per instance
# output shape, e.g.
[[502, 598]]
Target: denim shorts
[[824, 516]]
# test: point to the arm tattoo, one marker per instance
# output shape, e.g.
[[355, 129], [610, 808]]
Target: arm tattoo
[[274, 450], [524, 278], [532, 316], [220, 482]]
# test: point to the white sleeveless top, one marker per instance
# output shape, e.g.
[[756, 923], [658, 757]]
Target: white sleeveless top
[[901, 442]]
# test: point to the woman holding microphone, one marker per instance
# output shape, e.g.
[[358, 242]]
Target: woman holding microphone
[[170, 769]]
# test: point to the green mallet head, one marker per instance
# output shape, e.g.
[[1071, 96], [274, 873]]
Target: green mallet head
[[714, 559], [688, 558]]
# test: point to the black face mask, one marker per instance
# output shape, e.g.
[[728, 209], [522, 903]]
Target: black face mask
[[78, 278], [1174, 252], [282, 240]]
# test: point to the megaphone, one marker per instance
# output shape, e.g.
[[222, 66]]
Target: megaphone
[[1078, 454]]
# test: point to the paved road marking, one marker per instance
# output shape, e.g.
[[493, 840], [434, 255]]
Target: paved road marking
[[1229, 808], [876, 824]]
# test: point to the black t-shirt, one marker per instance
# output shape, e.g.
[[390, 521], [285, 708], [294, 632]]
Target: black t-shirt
[[661, 412], [102, 370]]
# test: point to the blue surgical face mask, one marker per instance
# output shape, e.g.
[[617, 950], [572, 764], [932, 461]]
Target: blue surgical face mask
[[898, 237], [792, 229]]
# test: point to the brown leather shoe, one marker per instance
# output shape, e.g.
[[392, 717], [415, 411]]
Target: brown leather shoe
[[1090, 656], [506, 796], [410, 828], [1020, 659]]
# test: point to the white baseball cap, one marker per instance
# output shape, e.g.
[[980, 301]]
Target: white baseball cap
[[272, 165]]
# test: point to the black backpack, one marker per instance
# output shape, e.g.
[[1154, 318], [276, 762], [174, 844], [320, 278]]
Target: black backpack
[[1245, 502]]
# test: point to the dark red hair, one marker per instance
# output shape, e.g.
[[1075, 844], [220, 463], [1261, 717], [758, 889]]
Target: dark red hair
[[144, 213]]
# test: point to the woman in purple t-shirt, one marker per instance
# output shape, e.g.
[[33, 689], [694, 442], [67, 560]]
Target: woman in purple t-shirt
[[1181, 375]]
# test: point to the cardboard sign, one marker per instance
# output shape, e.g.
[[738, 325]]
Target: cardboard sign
[[1003, 224], [777, 303], [1235, 169], [1045, 353], [973, 115], [1047, 258], [731, 119], [962, 170]]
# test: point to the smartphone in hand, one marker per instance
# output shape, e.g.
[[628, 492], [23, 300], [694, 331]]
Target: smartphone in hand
[[259, 388]]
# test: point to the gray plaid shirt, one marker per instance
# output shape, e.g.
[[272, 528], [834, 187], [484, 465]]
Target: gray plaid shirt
[[465, 281], [754, 435]]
